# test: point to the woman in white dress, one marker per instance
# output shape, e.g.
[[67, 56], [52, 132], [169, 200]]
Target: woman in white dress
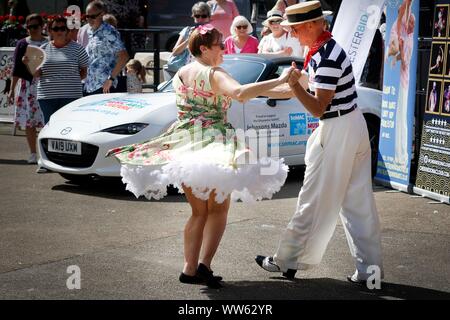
[[201, 155]]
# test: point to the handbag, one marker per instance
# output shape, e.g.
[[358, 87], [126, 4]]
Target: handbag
[[176, 62]]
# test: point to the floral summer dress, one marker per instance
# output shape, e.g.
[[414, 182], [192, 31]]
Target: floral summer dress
[[200, 150], [28, 114]]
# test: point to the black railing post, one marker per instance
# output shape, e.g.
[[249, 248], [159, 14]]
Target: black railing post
[[156, 66]]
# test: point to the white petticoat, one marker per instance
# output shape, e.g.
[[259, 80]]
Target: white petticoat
[[247, 182]]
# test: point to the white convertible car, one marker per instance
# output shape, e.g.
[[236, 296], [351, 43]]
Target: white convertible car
[[77, 137]]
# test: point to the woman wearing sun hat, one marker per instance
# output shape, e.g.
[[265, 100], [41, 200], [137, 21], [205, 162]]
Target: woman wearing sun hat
[[338, 159], [278, 42]]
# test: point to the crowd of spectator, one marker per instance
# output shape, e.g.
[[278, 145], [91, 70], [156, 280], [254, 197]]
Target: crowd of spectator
[[237, 33], [85, 61], [77, 63]]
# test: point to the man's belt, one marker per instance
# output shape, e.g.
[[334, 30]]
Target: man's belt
[[337, 113]]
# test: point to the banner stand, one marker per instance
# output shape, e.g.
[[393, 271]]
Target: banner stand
[[395, 185], [432, 195], [399, 89], [6, 65]]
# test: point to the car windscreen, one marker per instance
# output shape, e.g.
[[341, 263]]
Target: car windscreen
[[244, 71]]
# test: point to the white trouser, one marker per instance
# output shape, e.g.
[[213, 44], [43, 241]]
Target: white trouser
[[337, 181]]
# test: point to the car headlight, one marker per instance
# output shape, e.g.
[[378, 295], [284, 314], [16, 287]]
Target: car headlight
[[128, 128]]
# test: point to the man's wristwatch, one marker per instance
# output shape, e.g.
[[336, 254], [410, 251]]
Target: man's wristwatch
[[111, 78]]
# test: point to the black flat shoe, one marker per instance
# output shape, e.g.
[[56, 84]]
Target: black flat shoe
[[207, 276], [205, 273], [213, 283], [184, 278]]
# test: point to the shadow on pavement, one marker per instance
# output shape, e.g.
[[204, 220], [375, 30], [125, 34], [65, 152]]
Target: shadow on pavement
[[319, 289], [113, 188], [14, 162]]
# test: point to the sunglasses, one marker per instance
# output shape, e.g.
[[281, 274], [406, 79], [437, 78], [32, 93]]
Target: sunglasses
[[241, 27], [275, 21], [198, 16], [56, 29], [33, 26], [93, 16]]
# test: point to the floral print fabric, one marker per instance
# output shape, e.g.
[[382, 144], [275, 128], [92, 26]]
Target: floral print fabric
[[28, 114], [104, 44], [199, 108]]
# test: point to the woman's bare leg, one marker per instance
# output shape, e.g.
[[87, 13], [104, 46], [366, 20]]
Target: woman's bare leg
[[193, 232], [31, 138], [214, 228]]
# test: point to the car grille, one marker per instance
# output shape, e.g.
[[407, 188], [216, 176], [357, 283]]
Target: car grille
[[85, 160]]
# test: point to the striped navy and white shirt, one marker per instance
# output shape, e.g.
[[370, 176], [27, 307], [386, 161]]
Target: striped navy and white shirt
[[61, 71], [331, 69]]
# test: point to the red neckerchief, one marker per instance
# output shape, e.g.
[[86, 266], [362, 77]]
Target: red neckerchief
[[321, 40]]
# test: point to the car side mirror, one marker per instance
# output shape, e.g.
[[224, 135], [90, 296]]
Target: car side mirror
[[271, 102]]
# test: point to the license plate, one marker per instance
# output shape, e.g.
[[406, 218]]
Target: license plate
[[64, 146]]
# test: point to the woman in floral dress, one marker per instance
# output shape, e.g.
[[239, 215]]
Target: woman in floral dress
[[197, 155], [28, 113]]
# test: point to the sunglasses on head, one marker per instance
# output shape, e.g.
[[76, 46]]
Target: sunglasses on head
[[56, 29], [241, 27], [93, 16], [33, 26], [198, 16]]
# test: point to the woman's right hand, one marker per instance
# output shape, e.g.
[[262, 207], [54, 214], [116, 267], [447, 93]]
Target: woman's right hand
[[25, 60], [284, 76]]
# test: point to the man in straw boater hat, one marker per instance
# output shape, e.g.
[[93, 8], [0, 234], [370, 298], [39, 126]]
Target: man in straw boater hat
[[338, 158]]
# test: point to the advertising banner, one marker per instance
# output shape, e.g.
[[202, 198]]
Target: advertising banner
[[6, 65], [355, 28], [399, 90], [290, 123], [433, 172]]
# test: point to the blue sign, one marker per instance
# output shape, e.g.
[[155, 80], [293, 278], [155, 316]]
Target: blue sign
[[399, 86], [297, 124]]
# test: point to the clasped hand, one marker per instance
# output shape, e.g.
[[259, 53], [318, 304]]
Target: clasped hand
[[290, 75]]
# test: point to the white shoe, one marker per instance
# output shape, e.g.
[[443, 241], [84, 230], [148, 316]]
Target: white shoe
[[32, 159], [268, 264]]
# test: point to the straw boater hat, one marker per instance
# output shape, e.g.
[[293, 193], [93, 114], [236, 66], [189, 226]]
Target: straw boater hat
[[304, 12], [273, 15]]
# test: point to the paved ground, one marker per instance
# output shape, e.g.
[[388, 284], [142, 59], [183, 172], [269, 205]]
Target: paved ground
[[129, 248]]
